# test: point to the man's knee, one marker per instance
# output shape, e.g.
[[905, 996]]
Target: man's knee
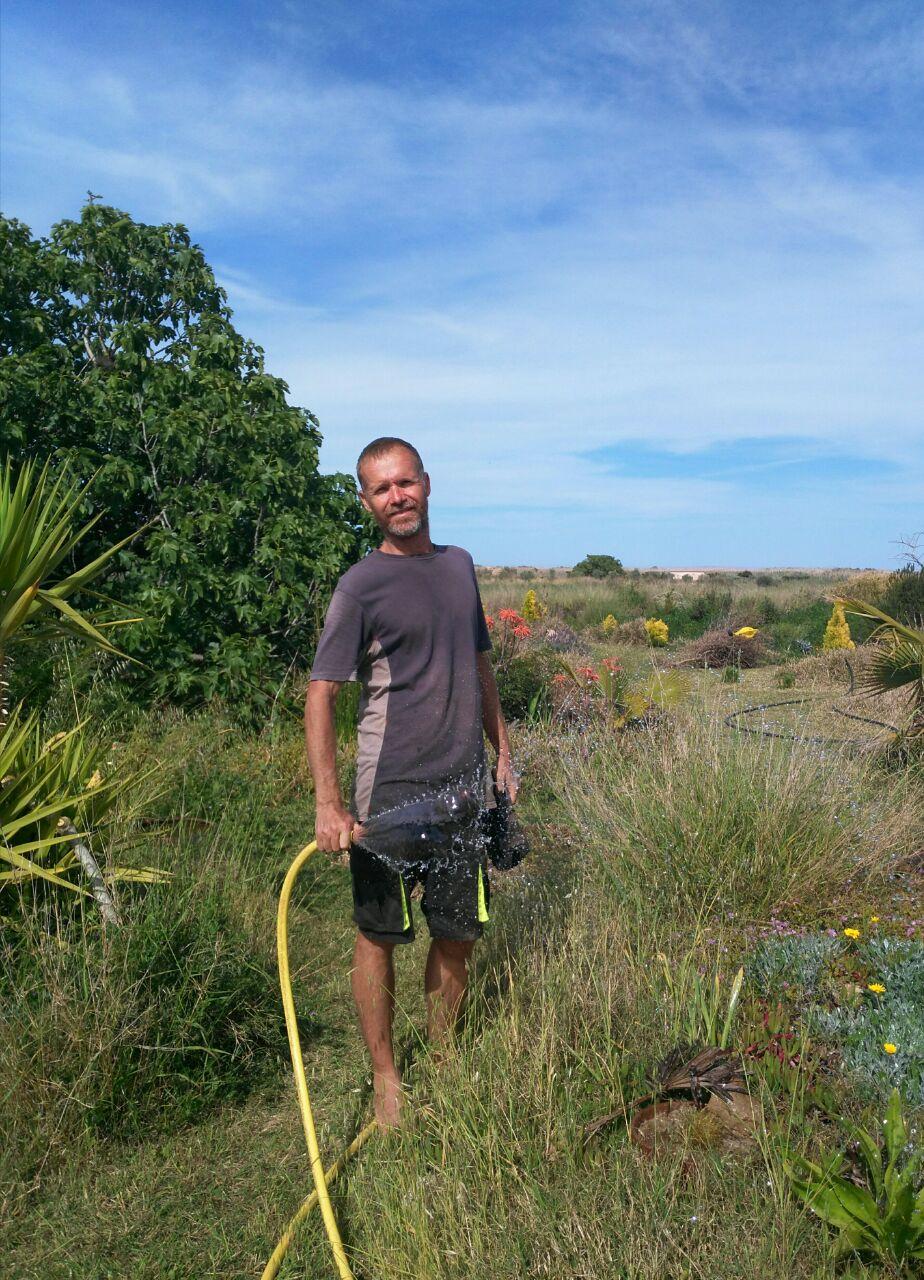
[[452, 949], [371, 953]]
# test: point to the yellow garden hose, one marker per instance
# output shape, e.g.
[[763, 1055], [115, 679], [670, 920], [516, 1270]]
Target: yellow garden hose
[[321, 1179]]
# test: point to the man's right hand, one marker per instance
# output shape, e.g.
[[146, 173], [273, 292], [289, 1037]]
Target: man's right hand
[[333, 828]]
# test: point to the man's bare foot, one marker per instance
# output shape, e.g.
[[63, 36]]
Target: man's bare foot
[[389, 1099]]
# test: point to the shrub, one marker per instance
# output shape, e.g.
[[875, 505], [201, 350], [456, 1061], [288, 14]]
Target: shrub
[[609, 624], [522, 683], [657, 631], [904, 595], [860, 1030], [871, 586], [731, 675], [793, 965], [837, 632], [786, 679], [597, 567], [634, 632], [533, 609], [768, 610]]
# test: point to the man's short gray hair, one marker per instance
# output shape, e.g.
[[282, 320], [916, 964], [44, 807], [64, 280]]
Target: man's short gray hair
[[379, 447]]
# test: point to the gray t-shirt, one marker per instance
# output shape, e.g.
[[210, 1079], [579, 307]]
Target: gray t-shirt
[[409, 628]]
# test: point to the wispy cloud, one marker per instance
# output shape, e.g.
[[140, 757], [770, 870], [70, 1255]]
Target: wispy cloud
[[776, 462], [658, 235]]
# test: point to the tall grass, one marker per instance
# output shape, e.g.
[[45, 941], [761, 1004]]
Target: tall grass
[[648, 844], [694, 817], [678, 837], [148, 1026]]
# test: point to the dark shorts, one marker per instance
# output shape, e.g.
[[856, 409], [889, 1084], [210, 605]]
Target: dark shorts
[[456, 896]]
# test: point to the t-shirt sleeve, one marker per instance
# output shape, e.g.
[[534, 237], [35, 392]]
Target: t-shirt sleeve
[[343, 640]]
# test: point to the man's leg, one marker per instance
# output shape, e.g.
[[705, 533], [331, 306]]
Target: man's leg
[[445, 982], [373, 981]]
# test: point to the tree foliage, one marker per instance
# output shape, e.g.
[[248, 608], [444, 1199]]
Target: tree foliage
[[597, 567], [118, 357]]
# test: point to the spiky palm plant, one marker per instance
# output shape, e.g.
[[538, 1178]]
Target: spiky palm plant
[[52, 792], [895, 662], [39, 532]]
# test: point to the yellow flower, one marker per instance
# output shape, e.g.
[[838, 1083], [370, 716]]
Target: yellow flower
[[852, 933], [876, 987], [874, 919], [95, 780], [889, 1047]]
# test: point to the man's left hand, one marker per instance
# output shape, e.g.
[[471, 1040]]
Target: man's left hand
[[506, 778]]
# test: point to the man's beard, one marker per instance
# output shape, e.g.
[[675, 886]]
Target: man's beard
[[399, 527]]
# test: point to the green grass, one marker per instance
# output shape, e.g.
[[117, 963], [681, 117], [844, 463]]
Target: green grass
[[660, 855]]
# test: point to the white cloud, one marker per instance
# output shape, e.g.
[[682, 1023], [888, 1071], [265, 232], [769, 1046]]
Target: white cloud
[[557, 257]]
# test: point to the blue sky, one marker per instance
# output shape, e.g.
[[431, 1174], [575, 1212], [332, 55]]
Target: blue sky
[[640, 277]]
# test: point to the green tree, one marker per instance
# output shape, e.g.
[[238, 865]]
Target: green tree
[[597, 567], [118, 357]]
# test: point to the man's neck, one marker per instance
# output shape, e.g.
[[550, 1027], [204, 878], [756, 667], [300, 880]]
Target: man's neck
[[419, 545]]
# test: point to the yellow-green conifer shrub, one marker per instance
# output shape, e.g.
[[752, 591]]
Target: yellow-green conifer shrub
[[609, 624], [837, 632], [533, 608], [657, 631]]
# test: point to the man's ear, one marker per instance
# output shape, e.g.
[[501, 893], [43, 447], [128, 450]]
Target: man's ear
[[362, 498], [426, 479]]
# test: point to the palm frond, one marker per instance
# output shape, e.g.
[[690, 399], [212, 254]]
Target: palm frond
[[896, 657]]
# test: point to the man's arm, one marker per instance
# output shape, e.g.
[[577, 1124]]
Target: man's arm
[[495, 726], [333, 822]]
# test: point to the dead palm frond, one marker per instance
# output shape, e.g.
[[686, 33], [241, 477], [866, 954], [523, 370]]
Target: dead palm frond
[[698, 1076]]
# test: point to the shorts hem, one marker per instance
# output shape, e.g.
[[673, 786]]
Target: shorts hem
[[382, 935]]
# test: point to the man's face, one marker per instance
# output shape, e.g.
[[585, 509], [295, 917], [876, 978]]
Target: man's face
[[395, 493]]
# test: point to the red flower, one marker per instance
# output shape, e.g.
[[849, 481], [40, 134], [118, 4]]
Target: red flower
[[588, 673], [522, 631], [490, 621], [612, 664], [559, 677], [509, 615]]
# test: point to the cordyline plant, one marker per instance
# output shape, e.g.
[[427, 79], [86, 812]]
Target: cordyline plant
[[51, 789], [895, 662], [39, 532], [52, 793]]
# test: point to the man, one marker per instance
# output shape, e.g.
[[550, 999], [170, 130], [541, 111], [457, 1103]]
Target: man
[[407, 622]]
